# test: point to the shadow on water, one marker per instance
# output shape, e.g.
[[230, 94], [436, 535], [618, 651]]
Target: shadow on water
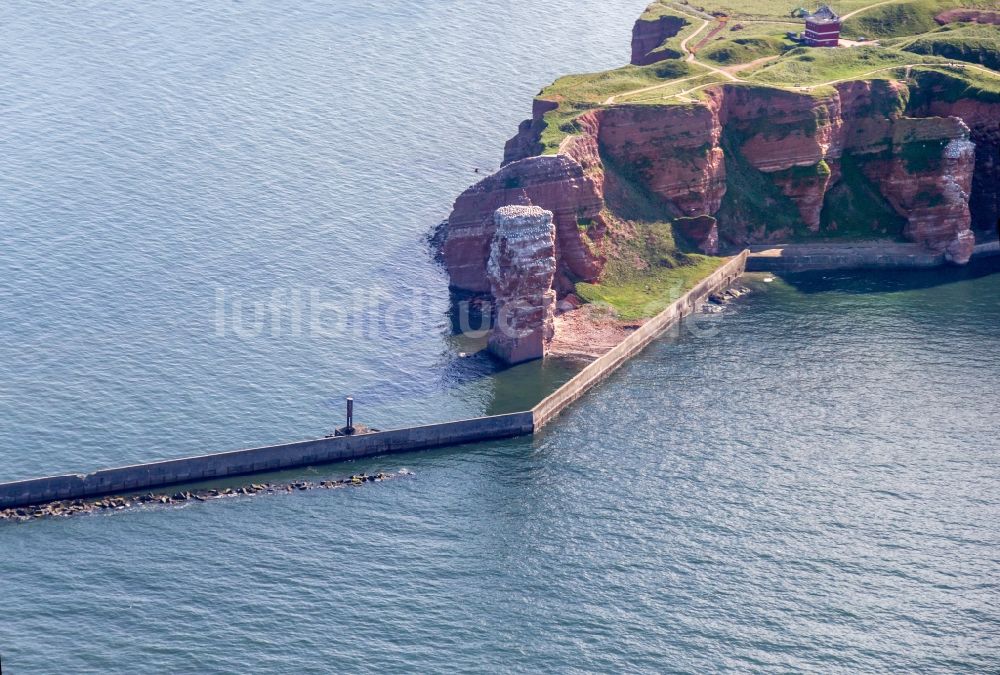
[[889, 281], [513, 388], [523, 386]]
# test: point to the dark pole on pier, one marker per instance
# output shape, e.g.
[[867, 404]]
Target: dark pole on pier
[[350, 415]]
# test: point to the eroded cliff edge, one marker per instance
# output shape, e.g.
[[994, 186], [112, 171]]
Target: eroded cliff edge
[[654, 166], [873, 158]]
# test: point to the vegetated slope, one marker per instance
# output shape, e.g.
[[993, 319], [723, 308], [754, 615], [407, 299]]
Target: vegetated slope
[[897, 19], [775, 10], [648, 261], [659, 32], [970, 42], [731, 52], [648, 167], [576, 94], [945, 84], [906, 17], [854, 206], [804, 66]]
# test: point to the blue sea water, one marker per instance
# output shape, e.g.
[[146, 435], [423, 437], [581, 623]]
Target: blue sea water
[[212, 222]]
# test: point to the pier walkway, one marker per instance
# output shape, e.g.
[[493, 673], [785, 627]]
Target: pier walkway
[[144, 477]]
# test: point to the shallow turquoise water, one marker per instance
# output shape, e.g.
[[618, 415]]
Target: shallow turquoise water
[[807, 482]]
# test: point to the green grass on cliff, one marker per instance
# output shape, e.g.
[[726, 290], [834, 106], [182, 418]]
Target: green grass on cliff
[[752, 199], [899, 19], [648, 267], [952, 84], [775, 9], [666, 94], [854, 208], [734, 51], [970, 42], [647, 272], [686, 24], [577, 94], [809, 67], [780, 10], [595, 88], [671, 47], [907, 17], [649, 294], [660, 8]]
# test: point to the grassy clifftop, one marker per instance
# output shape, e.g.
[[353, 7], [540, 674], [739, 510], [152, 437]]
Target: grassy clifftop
[[745, 44], [969, 42], [778, 10], [732, 41], [953, 84], [905, 18], [806, 67], [744, 49], [576, 94]]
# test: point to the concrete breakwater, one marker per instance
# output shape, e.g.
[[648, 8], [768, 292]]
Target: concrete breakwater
[[144, 477], [856, 255], [596, 371]]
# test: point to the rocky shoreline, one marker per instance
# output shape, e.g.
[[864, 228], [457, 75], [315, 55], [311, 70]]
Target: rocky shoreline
[[75, 507]]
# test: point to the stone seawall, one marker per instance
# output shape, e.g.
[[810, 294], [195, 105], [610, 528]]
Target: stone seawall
[[554, 404], [143, 477], [259, 460], [804, 258], [986, 250], [860, 255]]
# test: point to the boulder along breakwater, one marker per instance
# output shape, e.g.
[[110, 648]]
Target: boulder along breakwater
[[65, 493], [75, 507]]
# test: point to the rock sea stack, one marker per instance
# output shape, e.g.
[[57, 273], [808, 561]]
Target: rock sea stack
[[520, 269], [652, 168], [557, 183]]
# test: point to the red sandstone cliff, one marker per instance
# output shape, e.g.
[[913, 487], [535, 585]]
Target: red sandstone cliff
[[648, 34], [724, 169], [673, 151], [930, 183], [983, 120], [556, 183]]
